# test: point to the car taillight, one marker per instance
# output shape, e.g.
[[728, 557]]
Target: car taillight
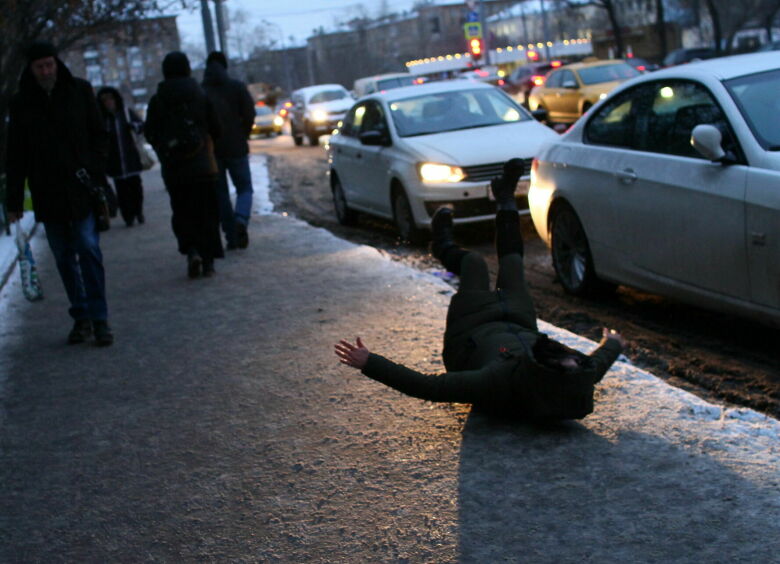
[[501, 82], [641, 68], [537, 80], [555, 64], [283, 112]]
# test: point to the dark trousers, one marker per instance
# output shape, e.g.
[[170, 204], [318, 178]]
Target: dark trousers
[[240, 174], [76, 249], [473, 270], [195, 218], [130, 197]]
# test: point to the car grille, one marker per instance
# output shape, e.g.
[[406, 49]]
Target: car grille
[[480, 173]]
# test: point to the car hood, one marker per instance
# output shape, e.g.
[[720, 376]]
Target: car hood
[[469, 147], [334, 106]]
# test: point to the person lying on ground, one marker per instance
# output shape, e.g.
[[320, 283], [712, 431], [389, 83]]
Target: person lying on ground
[[495, 356]]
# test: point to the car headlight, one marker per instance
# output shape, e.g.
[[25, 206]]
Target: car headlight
[[278, 121], [602, 95], [319, 115], [434, 172]]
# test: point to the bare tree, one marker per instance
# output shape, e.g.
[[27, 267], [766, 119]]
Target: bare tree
[[63, 22], [243, 37], [729, 17], [610, 6]]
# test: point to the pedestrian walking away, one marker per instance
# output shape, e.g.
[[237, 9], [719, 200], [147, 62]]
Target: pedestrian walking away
[[55, 138], [236, 110], [494, 355], [124, 162], [181, 125]]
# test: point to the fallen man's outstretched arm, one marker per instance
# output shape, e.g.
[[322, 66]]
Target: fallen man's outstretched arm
[[468, 386]]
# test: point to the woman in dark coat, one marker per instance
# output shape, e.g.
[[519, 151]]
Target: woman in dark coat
[[124, 162], [181, 126], [494, 354]]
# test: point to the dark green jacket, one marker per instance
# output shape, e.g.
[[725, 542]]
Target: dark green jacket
[[489, 360]]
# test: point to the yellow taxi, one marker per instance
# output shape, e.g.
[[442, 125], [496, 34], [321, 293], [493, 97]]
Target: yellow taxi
[[570, 90]]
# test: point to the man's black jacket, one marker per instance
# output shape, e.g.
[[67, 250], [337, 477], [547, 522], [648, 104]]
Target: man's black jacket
[[235, 109], [50, 137]]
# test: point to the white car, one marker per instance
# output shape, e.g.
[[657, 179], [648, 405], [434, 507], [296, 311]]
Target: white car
[[672, 185], [403, 153], [317, 110]]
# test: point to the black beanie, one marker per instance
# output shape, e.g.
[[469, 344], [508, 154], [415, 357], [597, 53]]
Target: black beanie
[[219, 57], [176, 64], [40, 50]]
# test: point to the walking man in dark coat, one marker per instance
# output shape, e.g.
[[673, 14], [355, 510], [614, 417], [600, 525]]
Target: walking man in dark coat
[[494, 354], [181, 125], [54, 131], [236, 110]]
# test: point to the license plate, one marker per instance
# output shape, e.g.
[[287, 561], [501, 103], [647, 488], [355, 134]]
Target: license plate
[[520, 190]]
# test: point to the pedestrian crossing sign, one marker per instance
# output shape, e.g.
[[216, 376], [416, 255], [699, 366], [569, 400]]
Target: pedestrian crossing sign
[[472, 30]]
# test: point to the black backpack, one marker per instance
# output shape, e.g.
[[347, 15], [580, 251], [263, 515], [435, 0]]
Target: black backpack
[[181, 137]]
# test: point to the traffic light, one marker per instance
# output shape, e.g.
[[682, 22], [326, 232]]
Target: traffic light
[[475, 47]]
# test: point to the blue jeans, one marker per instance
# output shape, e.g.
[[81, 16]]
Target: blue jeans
[[238, 168], [76, 249]]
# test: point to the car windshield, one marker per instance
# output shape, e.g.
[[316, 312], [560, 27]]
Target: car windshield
[[607, 73], [328, 96], [450, 111], [756, 96], [262, 110], [396, 82]]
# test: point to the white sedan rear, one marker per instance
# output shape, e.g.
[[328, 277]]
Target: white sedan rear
[[672, 185], [403, 153]]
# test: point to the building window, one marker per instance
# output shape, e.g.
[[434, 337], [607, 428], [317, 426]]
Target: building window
[[435, 24]]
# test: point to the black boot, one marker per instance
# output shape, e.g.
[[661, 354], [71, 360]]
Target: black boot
[[82, 330], [208, 268], [194, 263], [442, 232], [443, 245], [504, 186], [104, 337]]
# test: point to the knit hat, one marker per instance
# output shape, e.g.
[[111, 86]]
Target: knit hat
[[176, 64], [219, 57], [40, 50]]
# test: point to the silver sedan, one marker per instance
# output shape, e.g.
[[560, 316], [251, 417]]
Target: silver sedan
[[672, 185]]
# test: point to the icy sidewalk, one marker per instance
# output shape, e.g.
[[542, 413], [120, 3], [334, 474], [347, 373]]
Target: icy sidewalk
[[220, 427]]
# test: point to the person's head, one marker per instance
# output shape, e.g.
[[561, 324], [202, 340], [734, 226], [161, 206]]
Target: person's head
[[557, 356], [108, 101], [176, 65], [42, 61], [217, 57]]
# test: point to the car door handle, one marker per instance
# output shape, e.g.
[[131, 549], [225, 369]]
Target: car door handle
[[626, 176]]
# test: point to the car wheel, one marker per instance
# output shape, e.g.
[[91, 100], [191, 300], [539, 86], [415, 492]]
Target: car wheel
[[344, 214], [585, 107], [571, 254], [404, 220]]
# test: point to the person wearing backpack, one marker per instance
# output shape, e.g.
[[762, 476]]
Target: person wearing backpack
[[494, 354], [181, 126]]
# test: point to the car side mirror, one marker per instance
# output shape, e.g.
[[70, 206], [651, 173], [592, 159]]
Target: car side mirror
[[706, 139], [374, 138], [540, 114]]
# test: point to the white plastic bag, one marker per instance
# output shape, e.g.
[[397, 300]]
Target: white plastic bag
[[31, 286]]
